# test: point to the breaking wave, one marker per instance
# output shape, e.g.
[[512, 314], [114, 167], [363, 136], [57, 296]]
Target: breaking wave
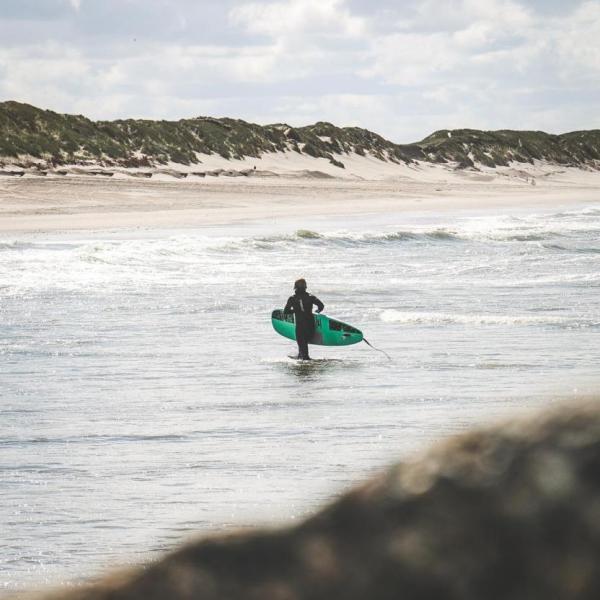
[[551, 231], [440, 318], [340, 239]]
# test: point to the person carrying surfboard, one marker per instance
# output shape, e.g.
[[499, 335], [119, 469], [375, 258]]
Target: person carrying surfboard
[[301, 306]]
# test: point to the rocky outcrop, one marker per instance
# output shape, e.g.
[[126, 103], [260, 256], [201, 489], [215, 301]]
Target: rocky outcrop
[[511, 512]]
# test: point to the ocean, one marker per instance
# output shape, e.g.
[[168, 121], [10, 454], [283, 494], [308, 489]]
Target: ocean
[[145, 398]]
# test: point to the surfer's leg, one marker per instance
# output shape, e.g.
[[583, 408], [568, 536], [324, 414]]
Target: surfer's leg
[[299, 341], [302, 340]]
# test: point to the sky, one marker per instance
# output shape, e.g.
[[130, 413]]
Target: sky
[[402, 68]]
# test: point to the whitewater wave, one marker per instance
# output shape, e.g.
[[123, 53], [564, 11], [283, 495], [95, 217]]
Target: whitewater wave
[[575, 250], [311, 238], [586, 212], [423, 253], [15, 245], [533, 229], [439, 318]]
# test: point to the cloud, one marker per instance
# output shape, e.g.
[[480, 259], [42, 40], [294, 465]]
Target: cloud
[[578, 44], [401, 69], [456, 46], [300, 37], [308, 18], [48, 71]]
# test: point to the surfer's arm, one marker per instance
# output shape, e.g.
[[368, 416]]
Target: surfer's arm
[[288, 310], [320, 306]]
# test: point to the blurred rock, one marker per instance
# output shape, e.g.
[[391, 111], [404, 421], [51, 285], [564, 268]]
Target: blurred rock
[[511, 512]]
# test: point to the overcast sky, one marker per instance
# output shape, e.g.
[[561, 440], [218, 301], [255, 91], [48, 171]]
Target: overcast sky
[[403, 68]]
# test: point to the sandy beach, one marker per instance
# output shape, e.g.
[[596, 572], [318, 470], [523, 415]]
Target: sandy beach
[[34, 204]]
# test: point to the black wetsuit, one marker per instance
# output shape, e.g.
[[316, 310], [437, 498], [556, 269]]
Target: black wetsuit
[[301, 305]]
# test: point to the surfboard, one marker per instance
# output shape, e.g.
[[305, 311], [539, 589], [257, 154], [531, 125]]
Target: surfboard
[[328, 331]]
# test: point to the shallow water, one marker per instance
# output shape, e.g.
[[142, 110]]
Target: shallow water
[[145, 397]]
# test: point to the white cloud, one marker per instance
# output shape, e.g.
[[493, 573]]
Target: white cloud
[[459, 14], [578, 43], [489, 40], [411, 59], [302, 37], [36, 70], [503, 13], [403, 70], [308, 18]]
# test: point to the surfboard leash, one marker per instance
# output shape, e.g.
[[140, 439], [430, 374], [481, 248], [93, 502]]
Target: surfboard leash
[[378, 350]]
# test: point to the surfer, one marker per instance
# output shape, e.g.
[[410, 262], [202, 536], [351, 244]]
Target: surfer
[[301, 306]]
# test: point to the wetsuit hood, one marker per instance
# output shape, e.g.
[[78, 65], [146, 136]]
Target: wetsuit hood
[[299, 286]]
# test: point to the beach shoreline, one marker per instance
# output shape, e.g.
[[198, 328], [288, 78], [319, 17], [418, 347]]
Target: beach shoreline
[[35, 205]]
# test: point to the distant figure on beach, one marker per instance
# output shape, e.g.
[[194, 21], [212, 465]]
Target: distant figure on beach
[[301, 306]]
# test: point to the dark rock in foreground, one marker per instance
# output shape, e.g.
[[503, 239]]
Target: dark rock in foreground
[[511, 512]]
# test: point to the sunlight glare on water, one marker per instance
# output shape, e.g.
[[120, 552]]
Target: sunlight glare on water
[[145, 396]]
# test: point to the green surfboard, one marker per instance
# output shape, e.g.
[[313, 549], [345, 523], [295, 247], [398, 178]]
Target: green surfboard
[[328, 331]]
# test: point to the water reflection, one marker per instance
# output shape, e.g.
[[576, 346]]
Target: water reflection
[[315, 369]]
